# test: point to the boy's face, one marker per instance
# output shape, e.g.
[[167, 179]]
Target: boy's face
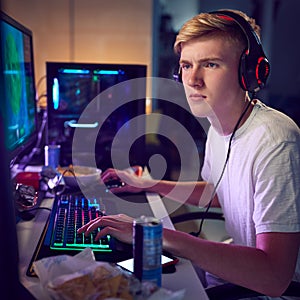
[[210, 76]]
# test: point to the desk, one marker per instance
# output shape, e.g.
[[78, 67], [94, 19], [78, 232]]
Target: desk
[[29, 233]]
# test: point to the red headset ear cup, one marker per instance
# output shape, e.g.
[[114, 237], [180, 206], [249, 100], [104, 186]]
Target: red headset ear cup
[[262, 70], [253, 71]]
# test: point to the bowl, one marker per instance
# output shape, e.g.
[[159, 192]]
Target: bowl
[[76, 175]]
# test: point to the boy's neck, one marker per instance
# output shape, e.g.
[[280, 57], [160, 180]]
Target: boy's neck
[[225, 126]]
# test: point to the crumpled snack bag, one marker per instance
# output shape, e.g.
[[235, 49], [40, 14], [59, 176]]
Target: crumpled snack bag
[[80, 277]]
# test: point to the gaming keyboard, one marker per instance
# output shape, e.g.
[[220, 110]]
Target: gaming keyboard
[[69, 213]]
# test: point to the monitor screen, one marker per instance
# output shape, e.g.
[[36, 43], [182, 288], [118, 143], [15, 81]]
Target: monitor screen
[[71, 87], [19, 105]]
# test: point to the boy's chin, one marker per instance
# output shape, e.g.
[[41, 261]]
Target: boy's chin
[[201, 113]]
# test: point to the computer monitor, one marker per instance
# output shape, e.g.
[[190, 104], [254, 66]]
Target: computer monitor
[[10, 285], [71, 87], [19, 105]]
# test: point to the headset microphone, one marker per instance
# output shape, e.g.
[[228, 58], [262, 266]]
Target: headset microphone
[[177, 76]]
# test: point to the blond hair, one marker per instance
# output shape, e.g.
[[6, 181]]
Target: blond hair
[[210, 25]]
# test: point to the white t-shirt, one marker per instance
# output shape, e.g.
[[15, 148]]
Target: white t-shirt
[[259, 191]]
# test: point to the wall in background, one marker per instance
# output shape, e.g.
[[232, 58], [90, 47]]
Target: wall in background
[[102, 31]]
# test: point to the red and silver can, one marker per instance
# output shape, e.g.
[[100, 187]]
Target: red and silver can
[[147, 249]]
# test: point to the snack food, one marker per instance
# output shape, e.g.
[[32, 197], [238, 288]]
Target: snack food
[[83, 174], [99, 284]]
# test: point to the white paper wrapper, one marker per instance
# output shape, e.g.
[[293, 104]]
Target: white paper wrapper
[[49, 268]]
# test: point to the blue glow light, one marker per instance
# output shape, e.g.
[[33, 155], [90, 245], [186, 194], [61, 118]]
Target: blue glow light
[[75, 71], [108, 72], [55, 93]]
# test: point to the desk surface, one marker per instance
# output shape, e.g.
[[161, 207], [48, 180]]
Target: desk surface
[[29, 233]]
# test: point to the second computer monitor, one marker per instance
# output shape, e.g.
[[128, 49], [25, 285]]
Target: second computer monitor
[[106, 88]]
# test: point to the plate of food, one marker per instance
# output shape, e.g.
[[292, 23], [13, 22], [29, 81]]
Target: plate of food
[[84, 175]]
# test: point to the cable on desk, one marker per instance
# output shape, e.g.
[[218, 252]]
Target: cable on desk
[[26, 215], [40, 207]]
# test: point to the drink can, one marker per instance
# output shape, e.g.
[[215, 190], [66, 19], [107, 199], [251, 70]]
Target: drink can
[[52, 153], [147, 249]]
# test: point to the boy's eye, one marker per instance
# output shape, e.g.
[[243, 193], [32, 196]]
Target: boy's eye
[[211, 65], [185, 66]]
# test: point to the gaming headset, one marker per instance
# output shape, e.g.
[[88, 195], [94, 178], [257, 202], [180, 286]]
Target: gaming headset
[[254, 66]]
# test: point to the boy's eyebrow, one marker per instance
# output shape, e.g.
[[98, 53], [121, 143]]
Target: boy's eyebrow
[[201, 60]]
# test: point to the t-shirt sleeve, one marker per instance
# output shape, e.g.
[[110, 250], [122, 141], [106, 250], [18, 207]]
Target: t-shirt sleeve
[[277, 198]]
